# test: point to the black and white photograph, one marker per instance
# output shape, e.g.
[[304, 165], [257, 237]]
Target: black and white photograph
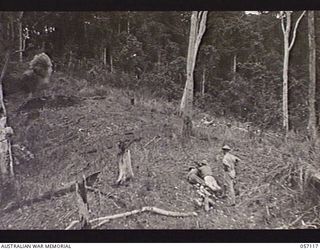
[[193, 120]]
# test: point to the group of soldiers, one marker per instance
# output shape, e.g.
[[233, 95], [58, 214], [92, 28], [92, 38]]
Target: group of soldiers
[[202, 175]]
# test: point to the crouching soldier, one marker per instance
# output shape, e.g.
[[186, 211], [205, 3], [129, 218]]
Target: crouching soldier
[[205, 172], [229, 162], [202, 175], [193, 177]]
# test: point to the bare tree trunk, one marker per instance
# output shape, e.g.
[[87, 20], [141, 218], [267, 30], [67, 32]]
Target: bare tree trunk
[[187, 98], [159, 60], [128, 23], [20, 36], [285, 109], [8, 31], [288, 45], [234, 68], [197, 29], [12, 29], [70, 60], [111, 63], [312, 125], [6, 164], [203, 83], [104, 56]]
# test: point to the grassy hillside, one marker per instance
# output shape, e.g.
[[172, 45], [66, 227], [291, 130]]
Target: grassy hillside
[[75, 128]]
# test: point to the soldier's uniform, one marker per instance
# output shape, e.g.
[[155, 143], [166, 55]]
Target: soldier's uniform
[[193, 176], [229, 162], [205, 172]]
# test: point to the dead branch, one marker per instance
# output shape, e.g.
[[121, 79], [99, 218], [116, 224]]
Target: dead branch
[[72, 224], [301, 216], [144, 209], [151, 141], [155, 210], [250, 192]]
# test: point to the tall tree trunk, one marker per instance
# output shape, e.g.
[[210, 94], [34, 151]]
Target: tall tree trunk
[[234, 67], [159, 60], [288, 45], [285, 109], [197, 29], [20, 36], [203, 82], [128, 23], [119, 26], [6, 163], [12, 29], [111, 62], [312, 125], [104, 56], [8, 31]]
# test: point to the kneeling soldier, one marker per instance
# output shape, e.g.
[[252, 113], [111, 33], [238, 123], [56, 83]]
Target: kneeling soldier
[[205, 172]]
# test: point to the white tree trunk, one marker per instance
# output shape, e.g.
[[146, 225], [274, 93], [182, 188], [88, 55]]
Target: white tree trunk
[[111, 63], [312, 125], [285, 84], [288, 45], [203, 83], [104, 56], [234, 67], [20, 42], [159, 60], [21, 39], [128, 23], [6, 163], [197, 29], [187, 98]]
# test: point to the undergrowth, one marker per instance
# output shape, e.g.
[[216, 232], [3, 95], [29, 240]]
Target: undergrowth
[[70, 141]]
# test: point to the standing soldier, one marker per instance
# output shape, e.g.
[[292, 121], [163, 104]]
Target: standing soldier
[[229, 163]]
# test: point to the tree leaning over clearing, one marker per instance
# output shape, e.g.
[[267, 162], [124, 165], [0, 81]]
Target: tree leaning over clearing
[[197, 29], [285, 17]]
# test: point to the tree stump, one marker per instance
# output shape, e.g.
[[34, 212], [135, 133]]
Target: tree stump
[[83, 205], [124, 164]]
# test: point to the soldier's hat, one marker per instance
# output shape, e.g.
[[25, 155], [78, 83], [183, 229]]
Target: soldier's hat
[[204, 162], [226, 147]]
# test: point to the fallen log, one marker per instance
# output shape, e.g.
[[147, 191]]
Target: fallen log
[[105, 219], [90, 180]]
